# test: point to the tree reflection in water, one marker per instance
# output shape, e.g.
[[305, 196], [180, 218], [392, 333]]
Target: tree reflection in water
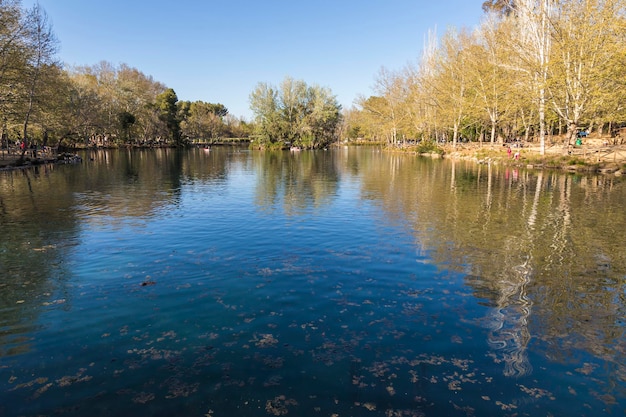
[[509, 321], [509, 326]]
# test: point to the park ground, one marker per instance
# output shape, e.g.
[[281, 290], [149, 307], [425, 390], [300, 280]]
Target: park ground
[[593, 155]]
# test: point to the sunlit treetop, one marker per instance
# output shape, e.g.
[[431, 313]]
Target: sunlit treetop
[[503, 7]]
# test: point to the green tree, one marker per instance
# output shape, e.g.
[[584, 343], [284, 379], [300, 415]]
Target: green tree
[[264, 105], [127, 120], [323, 118], [202, 120], [295, 114], [168, 114]]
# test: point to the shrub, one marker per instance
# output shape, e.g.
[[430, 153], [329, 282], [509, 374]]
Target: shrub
[[428, 147]]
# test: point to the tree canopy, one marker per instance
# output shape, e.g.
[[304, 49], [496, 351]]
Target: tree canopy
[[295, 114]]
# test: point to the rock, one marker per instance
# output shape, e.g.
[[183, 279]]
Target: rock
[[608, 169]]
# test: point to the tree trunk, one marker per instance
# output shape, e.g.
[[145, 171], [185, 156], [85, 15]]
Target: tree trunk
[[455, 135], [572, 130], [26, 120], [542, 121]]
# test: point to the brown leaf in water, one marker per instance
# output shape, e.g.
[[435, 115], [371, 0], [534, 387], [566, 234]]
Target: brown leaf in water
[[278, 406], [143, 397]]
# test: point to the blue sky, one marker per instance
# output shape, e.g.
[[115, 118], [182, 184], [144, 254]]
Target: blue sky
[[218, 51]]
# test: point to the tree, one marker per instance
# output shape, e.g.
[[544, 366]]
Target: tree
[[295, 114], [135, 92], [452, 81], [323, 118], [51, 116], [292, 102], [201, 120], [388, 107], [264, 105], [102, 92], [41, 47], [168, 114], [12, 61], [376, 117], [491, 77], [127, 120], [504, 7], [238, 127], [533, 45], [423, 102], [585, 44]]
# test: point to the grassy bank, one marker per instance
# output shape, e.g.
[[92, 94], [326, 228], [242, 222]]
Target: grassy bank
[[586, 158]]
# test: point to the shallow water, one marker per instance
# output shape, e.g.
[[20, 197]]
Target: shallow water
[[331, 283]]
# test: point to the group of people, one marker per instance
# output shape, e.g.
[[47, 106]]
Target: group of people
[[509, 151], [34, 148]]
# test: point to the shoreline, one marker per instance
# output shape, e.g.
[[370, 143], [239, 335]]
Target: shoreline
[[10, 162], [607, 159]]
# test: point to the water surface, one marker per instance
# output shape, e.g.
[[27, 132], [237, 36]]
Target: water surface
[[331, 283]]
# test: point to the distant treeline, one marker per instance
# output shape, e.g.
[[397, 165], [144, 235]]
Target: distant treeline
[[42, 102]]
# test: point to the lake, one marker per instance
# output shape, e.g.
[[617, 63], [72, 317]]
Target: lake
[[347, 282]]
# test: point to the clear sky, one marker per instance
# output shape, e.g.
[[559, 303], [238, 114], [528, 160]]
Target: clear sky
[[218, 51]]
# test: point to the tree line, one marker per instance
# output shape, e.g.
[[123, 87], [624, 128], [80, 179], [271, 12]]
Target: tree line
[[530, 70], [42, 102]]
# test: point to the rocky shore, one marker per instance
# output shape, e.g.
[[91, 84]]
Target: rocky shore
[[12, 161]]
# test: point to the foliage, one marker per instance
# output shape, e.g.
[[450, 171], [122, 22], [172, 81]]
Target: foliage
[[168, 114], [576, 161], [531, 69], [127, 120], [429, 146], [27, 65], [295, 114], [97, 105], [202, 120]]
